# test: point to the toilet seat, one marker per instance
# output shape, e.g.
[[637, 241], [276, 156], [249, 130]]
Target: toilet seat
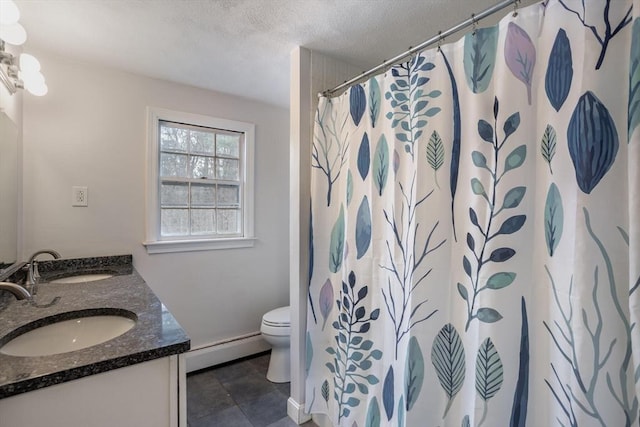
[[277, 317], [277, 322]]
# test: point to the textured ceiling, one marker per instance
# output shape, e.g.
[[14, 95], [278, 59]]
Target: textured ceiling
[[239, 47]]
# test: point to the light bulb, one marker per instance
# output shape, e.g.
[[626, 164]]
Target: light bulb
[[13, 34], [29, 63], [31, 79], [9, 13], [38, 90], [34, 83]]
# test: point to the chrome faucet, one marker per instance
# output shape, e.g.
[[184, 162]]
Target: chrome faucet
[[33, 276], [18, 291]]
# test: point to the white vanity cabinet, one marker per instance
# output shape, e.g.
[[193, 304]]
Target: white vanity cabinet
[[148, 394], [137, 379]]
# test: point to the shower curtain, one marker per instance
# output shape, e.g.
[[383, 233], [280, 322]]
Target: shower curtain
[[475, 230]]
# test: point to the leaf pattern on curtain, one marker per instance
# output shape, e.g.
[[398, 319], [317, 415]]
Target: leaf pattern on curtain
[[455, 145], [479, 57], [548, 145], [406, 255], [358, 103], [373, 414], [311, 259], [325, 390], [634, 80], [435, 154], [401, 411], [408, 95], [325, 301], [381, 165], [352, 353], [388, 392], [402, 283], [447, 356], [363, 228], [374, 101], [611, 29], [482, 253], [557, 82], [520, 55], [553, 218], [364, 157], [510, 298], [414, 373], [601, 352], [309, 353], [330, 145], [521, 393], [489, 374], [337, 243], [593, 141]]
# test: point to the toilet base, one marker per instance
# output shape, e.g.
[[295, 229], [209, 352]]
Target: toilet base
[[279, 365]]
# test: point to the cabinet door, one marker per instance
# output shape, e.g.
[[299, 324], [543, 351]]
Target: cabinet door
[[142, 395]]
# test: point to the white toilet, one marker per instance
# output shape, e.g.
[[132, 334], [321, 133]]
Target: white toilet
[[276, 330]]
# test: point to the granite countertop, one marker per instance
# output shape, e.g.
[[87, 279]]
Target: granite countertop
[[155, 334]]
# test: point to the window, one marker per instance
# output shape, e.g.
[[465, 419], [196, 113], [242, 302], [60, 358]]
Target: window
[[199, 184]]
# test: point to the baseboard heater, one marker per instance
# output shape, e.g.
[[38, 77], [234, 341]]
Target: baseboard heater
[[215, 353]]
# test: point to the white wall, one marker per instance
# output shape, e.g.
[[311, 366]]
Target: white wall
[[90, 130], [10, 168], [9, 133]]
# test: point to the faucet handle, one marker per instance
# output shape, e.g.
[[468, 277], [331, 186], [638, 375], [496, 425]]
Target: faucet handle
[[33, 277], [35, 272]]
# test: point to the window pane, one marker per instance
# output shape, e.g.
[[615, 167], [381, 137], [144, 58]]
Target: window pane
[[203, 221], [173, 139], [228, 145], [229, 196], [174, 194], [203, 195], [173, 165], [199, 187], [174, 222], [228, 169], [228, 221], [202, 142], [202, 167]]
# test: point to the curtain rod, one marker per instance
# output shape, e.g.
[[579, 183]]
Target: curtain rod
[[441, 35]]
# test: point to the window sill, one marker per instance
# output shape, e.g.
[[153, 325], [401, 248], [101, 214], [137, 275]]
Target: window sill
[[168, 246]]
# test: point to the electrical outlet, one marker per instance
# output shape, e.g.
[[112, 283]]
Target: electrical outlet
[[79, 196]]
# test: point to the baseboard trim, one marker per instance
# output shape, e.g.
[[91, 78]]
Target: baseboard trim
[[223, 351], [295, 411]]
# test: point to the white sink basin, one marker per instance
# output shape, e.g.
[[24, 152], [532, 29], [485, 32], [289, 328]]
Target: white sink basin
[[67, 335], [82, 278]]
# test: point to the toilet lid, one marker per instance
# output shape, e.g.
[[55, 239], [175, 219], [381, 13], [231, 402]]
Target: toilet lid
[[278, 317]]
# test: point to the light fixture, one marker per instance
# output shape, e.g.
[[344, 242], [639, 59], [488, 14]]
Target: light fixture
[[22, 72], [14, 34], [9, 13]]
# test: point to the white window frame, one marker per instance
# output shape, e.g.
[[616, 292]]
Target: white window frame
[[154, 242]]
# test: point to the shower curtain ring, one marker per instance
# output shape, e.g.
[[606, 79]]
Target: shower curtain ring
[[515, 8], [474, 23], [439, 40]]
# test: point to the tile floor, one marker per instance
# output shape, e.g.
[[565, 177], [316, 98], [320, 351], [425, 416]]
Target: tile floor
[[237, 394]]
